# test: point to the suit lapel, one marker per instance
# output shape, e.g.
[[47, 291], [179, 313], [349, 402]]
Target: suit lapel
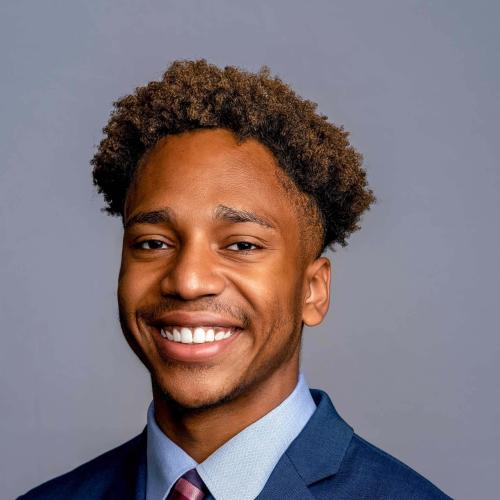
[[315, 454], [127, 480], [140, 482], [285, 482]]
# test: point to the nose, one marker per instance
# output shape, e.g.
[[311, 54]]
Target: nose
[[193, 273]]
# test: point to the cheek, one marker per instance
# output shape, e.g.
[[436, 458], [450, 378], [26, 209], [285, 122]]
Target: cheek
[[258, 282], [134, 283], [271, 290]]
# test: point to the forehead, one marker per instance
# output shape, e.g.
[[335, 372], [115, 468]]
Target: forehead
[[195, 171]]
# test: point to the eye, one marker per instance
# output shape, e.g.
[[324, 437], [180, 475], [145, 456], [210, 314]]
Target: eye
[[150, 245], [243, 246]]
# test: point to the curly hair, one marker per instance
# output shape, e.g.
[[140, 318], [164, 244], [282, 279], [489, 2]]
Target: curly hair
[[315, 154]]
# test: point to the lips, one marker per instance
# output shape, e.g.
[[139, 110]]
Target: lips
[[194, 319], [194, 336]]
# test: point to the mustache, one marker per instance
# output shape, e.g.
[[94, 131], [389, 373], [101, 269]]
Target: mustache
[[153, 312]]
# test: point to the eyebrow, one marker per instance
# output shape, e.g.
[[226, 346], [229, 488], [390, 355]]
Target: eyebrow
[[222, 213], [162, 216], [238, 216]]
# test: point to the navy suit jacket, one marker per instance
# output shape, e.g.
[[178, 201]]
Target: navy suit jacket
[[326, 461]]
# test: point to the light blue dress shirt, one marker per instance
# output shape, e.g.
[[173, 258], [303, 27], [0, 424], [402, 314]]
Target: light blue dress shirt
[[240, 468]]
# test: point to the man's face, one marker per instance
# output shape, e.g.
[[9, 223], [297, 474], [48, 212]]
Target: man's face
[[212, 248]]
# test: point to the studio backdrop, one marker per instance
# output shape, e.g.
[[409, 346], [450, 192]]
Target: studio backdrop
[[409, 351]]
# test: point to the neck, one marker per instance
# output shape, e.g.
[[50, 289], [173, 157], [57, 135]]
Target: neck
[[200, 432]]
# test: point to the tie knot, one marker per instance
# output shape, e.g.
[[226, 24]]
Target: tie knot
[[189, 487]]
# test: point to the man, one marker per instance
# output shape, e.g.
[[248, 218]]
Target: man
[[230, 187]]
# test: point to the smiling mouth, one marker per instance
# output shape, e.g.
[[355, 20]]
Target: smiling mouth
[[196, 335], [195, 344]]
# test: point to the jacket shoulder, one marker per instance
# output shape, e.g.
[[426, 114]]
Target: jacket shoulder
[[369, 472], [96, 477]]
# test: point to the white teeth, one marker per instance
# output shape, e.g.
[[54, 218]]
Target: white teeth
[[166, 334], [219, 335], [186, 336], [198, 335]]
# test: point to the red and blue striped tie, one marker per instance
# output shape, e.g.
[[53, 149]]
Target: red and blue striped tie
[[189, 487]]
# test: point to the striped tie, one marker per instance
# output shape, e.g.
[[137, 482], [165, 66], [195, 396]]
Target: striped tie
[[189, 487]]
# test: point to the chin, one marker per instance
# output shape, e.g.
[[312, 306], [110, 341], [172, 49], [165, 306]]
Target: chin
[[194, 393]]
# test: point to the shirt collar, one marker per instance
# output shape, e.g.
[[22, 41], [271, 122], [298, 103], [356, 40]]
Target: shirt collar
[[241, 467], [166, 461]]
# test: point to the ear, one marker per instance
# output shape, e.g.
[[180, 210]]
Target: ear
[[317, 292]]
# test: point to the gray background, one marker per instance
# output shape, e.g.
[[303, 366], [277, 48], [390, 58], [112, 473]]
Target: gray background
[[410, 349]]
